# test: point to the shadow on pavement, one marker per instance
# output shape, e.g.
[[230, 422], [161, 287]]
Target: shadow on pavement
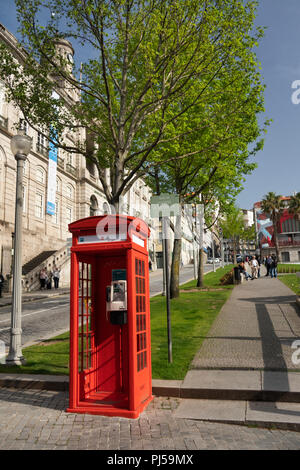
[[283, 299], [35, 398]]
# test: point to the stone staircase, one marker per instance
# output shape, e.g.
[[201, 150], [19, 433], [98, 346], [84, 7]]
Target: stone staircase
[[46, 259], [36, 261]]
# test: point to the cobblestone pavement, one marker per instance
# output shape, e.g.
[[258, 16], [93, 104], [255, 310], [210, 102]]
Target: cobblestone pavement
[[31, 419]]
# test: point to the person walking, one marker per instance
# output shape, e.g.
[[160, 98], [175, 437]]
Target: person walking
[[259, 265], [56, 277], [254, 267], [273, 268], [1, 283], [268, 264]]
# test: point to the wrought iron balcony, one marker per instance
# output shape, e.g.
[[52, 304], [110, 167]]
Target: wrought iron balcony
[[289, 242], [71, 169]]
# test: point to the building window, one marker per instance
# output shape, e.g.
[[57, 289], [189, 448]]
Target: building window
[[299, 255], [69, 159], [70, 191], [39, 205], [285, 256], [3, 120], [291, 225], [23, 125], [93, 205], [40, 175], [69, 216], [42, 144]]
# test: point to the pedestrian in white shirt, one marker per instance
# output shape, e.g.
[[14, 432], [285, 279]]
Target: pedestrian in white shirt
[[254, 267], [56, 276]]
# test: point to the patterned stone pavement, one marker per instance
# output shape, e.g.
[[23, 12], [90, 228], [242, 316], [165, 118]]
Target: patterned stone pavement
[[255, 329], [36, 420]]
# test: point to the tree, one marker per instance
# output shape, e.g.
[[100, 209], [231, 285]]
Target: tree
[[233, 228], [273, 206], [294, 205], [249, 234], [146, 56]]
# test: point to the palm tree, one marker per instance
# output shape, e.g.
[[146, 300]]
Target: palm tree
[[273, 205], [294, 206]]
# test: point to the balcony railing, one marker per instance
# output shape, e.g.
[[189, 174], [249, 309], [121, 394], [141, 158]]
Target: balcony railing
[[3, 122], [71, 169], [42, 150], [289, 242]]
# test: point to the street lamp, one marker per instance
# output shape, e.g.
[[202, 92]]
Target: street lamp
[[20, 146]]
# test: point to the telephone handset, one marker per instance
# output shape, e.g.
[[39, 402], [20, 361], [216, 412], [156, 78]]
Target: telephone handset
[[116, 302]]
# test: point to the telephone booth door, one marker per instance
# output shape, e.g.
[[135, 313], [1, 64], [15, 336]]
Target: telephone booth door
[[111, 339], [86, 327]]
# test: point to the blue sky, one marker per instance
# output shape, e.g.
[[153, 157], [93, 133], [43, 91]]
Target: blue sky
[[278, 164]]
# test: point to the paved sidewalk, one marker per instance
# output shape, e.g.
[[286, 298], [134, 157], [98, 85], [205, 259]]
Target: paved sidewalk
[[255, 329]]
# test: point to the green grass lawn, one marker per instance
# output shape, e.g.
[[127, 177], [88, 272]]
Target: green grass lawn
[[292, 281], [288, 268], [192, 315]]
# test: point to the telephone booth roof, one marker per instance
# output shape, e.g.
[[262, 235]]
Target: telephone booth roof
[[88, 225]]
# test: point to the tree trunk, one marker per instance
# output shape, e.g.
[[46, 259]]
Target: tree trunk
[[276, 241], [200, 280], [175, 268], [176, 260]]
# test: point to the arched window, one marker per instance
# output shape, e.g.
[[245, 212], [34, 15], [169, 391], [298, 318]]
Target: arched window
[[40, 175], [91, 167], [105, 208], [70, 191], [93, 205]]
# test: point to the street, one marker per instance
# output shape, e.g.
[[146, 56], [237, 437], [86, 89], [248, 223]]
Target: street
[[45, 318]]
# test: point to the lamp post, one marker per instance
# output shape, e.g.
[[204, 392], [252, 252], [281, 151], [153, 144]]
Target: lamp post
[[20, 146]]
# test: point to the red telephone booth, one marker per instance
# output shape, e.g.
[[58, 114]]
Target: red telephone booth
[[110, 348]]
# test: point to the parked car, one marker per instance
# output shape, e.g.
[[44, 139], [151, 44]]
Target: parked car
[[210, 260]]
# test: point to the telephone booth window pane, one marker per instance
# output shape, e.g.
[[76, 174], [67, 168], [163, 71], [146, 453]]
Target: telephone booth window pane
[[141, 339], [86, 331]]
